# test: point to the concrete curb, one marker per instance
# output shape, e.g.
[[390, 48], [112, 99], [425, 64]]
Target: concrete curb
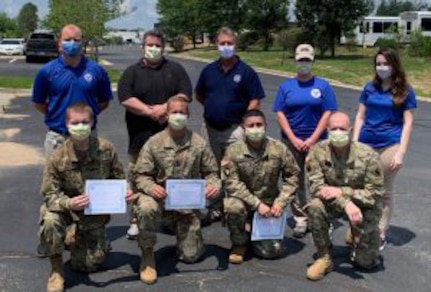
[[286, 74]]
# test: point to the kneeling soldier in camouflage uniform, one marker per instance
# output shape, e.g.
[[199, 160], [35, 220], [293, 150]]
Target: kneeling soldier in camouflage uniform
[[173, 153], [251, 170], [346, 180], [82, 156]]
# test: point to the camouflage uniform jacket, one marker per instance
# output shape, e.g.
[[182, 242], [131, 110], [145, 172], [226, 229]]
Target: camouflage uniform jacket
[[64, 176], [162, 158], [254, 178], [360, 177]]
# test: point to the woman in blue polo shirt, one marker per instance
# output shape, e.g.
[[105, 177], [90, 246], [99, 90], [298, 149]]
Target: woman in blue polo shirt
[[303, 105], [384, 121]]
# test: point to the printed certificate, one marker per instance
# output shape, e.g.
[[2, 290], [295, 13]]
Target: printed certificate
[[185, 194], [268, 227], [107, 196]]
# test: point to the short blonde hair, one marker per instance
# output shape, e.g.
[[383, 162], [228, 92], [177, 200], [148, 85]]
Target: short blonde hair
[[180, 97], [79, 107]]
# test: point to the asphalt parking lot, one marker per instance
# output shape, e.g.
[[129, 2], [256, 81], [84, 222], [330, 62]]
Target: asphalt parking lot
[[406, 264]]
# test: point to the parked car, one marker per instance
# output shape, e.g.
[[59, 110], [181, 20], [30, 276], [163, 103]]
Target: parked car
[[41, 45], [12, 47]]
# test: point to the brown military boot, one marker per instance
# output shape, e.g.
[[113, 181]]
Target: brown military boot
[[321, 266], [237, 254], [348, 237], [147, 272], [56, 279]]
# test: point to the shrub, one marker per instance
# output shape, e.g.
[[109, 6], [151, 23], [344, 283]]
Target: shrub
[[387, 43], [420, 45], [177, 43], [246, 39]]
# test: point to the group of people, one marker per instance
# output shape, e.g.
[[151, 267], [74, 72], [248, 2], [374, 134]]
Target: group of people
[[348, 172]]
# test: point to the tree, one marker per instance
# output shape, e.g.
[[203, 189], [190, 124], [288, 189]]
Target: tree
[[8, 26], [90, 15], [266, 16], [27, 19], [326, 20], [222, 13], [180, 18], [395, 7]]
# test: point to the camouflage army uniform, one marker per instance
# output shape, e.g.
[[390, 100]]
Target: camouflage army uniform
[[360, 178], [64, 177], [250, 178], [160, 159]]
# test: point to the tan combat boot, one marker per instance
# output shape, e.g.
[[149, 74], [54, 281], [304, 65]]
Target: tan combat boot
[[147, 272], [321, 266], [56, 279], [237, 254], [348, 237]]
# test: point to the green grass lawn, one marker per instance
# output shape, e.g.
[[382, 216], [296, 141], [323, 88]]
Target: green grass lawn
[[353, 68], [27, 82], [16, 82]]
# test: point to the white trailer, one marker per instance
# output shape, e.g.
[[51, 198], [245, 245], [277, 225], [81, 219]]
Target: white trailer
[[371, 28]]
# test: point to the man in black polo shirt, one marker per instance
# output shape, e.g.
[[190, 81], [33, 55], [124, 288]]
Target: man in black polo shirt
[[144, 89], [227, 88]]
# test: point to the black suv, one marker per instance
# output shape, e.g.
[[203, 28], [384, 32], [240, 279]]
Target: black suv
[[41, 45]]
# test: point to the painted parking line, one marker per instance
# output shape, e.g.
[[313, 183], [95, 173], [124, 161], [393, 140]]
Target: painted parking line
[[13, 60]]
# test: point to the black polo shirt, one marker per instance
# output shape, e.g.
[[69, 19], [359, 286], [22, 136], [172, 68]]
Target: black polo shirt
[[152, 86]]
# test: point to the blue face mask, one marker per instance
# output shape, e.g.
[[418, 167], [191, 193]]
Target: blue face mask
[[71, 48]]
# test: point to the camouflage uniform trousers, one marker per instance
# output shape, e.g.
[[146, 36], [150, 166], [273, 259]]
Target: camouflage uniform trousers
[[366, 235], [300, 200], [87, 250], [187, 227], [237, 215]]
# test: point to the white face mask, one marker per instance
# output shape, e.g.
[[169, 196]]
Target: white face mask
[[226, 52], [177, 121], [152, 53], [255, 134], [384, 72], [304, 67], [79, 132], [339, 138]]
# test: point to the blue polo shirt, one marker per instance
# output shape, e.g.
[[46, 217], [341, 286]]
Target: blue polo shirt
[[303, 104], [227, 94], [383, 121], [60, 86]]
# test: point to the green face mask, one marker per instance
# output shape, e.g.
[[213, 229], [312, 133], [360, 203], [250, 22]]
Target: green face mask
[[339, 138], [177, 121], [79, 132], [255, 134], [153, 53]]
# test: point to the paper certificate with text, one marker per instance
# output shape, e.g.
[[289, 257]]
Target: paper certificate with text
[[185, 194], [268, 227], [107, 196]]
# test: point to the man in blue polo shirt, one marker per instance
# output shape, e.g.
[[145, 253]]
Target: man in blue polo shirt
[[69, 79], [227, 88]]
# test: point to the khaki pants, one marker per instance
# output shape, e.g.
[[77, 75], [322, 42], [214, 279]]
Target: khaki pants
[[386, 156], [220, 140]]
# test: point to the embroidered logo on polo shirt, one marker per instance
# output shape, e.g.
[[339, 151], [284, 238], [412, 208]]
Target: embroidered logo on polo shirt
[[237, 78], [316, 93], [88, 77]]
